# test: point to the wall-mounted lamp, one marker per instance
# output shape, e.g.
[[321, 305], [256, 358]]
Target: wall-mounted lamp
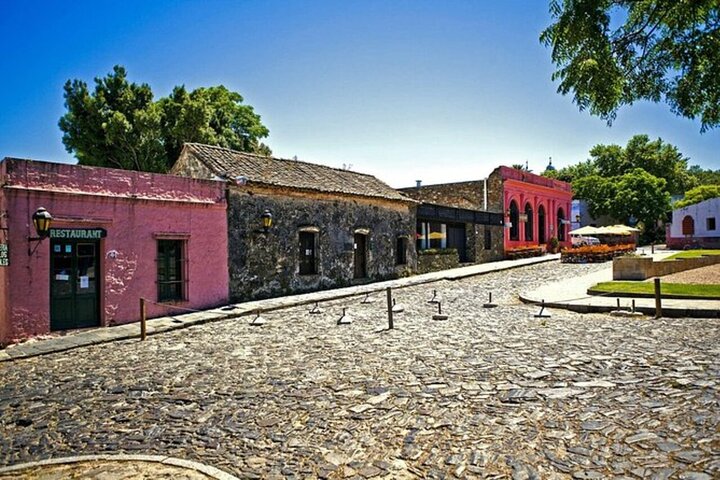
[[41, 221], [266, 220], [577, 218]]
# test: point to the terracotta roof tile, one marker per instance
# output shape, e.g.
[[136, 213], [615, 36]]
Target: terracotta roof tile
[[291, 173]]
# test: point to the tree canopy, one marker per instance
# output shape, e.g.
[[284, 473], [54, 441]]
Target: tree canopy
[[120, 125], [698, 194], [611, 53]]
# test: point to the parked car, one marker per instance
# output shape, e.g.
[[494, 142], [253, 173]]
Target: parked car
[[580, 240]]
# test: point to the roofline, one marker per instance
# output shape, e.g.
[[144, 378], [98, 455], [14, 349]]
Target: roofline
[[278, 159]]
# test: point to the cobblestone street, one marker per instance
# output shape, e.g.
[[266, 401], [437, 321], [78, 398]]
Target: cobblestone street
[[492, 393]]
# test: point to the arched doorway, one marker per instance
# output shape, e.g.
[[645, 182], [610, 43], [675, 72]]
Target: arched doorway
[[541, 225], [528, 223], [514, 221], [561, 224], [688, 225]]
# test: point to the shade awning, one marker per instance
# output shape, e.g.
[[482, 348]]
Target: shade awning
[[586, 230]]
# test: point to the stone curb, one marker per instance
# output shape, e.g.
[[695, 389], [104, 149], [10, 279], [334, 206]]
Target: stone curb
[[671, 312], [175, 462], [165, 324]]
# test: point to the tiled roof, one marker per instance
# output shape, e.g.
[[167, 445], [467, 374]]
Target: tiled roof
[[290, 173]]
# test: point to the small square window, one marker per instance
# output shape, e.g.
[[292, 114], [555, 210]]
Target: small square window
[[711, 223]]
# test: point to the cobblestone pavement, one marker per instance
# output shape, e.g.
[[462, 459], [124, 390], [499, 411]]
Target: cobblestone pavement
[[492, 393]]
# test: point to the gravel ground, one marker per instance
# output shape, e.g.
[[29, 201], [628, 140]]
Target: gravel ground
[[703, 275], [489, 393]]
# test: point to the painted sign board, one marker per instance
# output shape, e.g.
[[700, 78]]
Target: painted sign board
[[78, 233]]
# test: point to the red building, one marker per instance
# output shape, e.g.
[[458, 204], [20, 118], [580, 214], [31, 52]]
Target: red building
[[115, 236], [536, 208]]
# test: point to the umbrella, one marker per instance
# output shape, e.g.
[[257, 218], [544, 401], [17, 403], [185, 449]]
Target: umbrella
[[587, 230]]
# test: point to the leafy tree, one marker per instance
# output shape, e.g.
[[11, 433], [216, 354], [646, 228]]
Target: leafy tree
[[698, 194], [610, 53], [573, 172], [215, 116], [704, 177], [635, 194], [657, 158], [119, 125]]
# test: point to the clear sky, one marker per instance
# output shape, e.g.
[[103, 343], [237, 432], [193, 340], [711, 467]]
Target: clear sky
[[433, 90]]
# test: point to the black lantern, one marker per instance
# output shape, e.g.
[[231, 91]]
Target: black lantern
[[41, 221], [577, 218], [266, 220]]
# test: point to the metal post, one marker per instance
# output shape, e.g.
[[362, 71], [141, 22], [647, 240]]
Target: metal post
[[618, 304], [390, 307], [143, 318], [658, 299], [652, 247], [633, 305]]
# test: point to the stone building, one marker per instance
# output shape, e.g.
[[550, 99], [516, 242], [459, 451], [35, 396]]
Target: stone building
[[511, 208], [115, 236], [330, 227]]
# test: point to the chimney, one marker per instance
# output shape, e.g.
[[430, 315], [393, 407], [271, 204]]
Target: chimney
[[418, 183]]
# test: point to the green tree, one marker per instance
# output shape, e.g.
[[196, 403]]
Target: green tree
[[215, 116], [658, 158], [698, 194], [704, 177], [119, 125], [572, 172], [610, 53]]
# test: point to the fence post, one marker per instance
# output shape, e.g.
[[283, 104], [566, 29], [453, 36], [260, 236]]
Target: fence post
[[658, 299], [390, 307], [143, 317]]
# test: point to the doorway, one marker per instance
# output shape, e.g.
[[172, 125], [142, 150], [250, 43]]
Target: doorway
[[457, 239], [360, 247], [541, 225], [74, 290]]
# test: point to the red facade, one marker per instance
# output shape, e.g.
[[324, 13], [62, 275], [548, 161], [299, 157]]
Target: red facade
[[536, 208]]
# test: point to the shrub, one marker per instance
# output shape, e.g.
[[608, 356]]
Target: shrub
[[594, 253]]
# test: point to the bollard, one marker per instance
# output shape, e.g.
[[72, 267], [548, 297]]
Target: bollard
[[489, 303], [652, 247], [618, 304], [397, 308], [258, 320], [389, 309], [345, 319], [434, 298], [633, 305], [440, 315], [143, 319], [367, 299], [658, 299], [316, 309], [542, 309]]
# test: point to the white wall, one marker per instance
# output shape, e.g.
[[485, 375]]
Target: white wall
[[700, 213]]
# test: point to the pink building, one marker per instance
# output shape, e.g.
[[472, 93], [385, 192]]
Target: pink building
[[536, 208], [116, 236]]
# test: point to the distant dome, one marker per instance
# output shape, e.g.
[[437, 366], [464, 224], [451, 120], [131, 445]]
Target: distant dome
[[550, 166]]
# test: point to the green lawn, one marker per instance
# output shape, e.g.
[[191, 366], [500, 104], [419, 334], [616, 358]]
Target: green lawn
[[693, 254], [699, 291]]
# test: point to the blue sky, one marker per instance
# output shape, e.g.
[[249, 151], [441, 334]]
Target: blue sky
[[432, 90]]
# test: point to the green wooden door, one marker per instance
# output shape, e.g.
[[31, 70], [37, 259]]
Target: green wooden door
[[74, 290]]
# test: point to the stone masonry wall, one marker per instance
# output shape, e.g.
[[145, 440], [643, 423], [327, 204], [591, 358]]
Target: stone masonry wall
[[480, 253], [266, 265], [469, 195]]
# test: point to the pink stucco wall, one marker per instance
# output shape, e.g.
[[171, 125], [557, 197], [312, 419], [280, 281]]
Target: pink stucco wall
[[135, 208], [527, 188]]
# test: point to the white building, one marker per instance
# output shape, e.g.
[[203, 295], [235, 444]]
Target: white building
[[695, 225]]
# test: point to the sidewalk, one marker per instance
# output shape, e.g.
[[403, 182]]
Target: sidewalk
[[74, 339], [571, 294]]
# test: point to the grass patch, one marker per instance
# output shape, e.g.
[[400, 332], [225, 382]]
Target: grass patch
[[692, 254], [666, 289]]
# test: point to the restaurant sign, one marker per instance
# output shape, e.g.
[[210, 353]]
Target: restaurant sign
[[4, 255], [78, 233]]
